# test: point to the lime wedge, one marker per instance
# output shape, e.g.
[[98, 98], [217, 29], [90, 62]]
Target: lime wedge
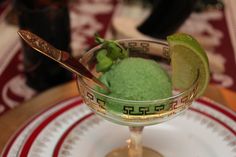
[[187, 58]]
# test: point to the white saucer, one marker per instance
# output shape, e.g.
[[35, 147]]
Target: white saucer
[[70, 129]]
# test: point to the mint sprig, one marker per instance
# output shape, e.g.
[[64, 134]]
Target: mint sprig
[[109, 53]]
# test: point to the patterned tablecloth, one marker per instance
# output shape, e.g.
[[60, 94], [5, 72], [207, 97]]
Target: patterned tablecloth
[[215, 30], [87, 17]]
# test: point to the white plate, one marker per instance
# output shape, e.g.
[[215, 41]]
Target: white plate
[[205, 130]]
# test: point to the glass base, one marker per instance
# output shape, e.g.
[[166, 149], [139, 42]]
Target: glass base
[[123, 152]]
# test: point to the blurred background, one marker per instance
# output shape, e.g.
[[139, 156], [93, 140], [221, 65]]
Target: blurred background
[[71, 24]]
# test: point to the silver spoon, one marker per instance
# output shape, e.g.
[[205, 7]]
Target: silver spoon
[[62, 57]]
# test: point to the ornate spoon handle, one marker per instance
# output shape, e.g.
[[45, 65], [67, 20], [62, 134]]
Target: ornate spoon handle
[[62, 57]]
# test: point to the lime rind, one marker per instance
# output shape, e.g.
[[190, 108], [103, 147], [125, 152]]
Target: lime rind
[[187, 41], [198, 61]]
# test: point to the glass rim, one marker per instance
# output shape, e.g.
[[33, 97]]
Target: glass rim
[[79, 79]]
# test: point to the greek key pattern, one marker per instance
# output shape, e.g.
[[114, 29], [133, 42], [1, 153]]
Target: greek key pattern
[[137, 46], [183, 102], [173, 105], [130, 110], [143, 47], [95, 100]]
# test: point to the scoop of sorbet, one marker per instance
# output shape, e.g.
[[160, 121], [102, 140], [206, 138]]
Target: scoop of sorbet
[[136, 78]]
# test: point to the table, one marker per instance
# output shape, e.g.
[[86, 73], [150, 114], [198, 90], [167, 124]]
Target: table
[[13, 119]]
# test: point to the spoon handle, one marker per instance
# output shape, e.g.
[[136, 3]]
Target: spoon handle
[[62, 57]]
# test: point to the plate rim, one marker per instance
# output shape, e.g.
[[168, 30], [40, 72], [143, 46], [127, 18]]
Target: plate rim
[[65, 135], [14, 136], [203, 101]]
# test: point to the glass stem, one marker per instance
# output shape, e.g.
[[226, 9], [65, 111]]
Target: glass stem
[[135, 143]]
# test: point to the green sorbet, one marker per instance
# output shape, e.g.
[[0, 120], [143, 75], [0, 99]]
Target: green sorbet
[[136, 79]]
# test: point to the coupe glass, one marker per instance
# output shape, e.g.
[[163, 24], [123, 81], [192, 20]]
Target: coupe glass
[[132, 113]]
